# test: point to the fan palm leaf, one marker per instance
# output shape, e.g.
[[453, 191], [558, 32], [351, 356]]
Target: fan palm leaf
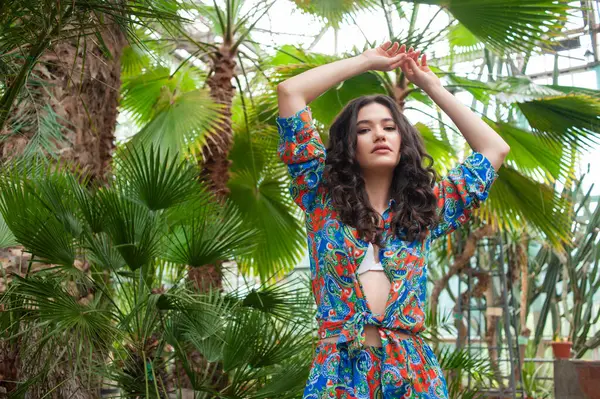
[[259, 189], [574, 119], [155, 178], [135, 230], [334, 11], [214, 233], [183, 123], [143, 93], [508, 25], [517, 201], [46, 203]]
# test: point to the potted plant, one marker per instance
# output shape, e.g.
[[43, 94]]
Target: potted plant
[[561, 347]]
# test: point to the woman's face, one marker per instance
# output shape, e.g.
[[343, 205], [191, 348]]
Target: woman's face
[[378, 139]]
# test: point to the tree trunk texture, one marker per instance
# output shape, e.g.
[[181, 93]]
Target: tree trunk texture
[[215, 164], [215, 173], [81, 84]]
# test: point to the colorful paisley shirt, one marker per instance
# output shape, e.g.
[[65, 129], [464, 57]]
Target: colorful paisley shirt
[[336, 250]]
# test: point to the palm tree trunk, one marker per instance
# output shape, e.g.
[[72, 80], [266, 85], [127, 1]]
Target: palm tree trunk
[[215, 166], [215, 173], [81, 84]]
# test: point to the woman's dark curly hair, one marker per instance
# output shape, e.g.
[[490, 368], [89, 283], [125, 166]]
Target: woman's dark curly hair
[[412, 182]]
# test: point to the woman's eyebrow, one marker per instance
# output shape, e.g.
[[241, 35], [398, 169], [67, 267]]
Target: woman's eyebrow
[[368, 121]]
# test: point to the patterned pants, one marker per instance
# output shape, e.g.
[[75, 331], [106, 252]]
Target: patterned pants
[[335, 375]]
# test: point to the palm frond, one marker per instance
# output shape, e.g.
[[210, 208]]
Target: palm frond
[[103, 253], [154, 177], [143, 93], [334, 11], [460, 36], [183, 123], [214, 233], [54, 304], [542, 160], [40, 213], [441, 151], [133, 61], [516, 201], [519, 89], [574, 119], [7, 238], [48, 136], [254, 340], [508, 25], [285, 300], [135, 230], [259, 189]]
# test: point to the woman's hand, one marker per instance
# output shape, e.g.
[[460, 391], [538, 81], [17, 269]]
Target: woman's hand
[[418, 72], [385, 57]]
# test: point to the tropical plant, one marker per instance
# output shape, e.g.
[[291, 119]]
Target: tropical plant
[[575, 271], [132, 315], [195, 111], [534, 387], [60, 73]]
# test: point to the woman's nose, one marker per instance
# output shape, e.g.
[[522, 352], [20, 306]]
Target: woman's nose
[[379, 133]]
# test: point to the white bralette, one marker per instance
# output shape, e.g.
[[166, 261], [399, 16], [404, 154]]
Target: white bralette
[[368, 262]]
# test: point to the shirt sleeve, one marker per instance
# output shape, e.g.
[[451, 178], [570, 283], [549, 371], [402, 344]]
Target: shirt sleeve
[[462, 191], [302, 150]]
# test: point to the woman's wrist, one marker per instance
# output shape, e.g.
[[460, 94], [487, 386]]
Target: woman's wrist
[[363, 62], [435, 91]]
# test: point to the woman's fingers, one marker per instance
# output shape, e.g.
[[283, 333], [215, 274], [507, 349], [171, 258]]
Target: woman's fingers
[[385, 45], [411, 66], [424, 60], [392, 51], [396, 60]]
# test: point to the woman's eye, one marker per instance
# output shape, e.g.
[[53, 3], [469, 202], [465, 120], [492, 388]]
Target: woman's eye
[[390, 128], [363, 131]]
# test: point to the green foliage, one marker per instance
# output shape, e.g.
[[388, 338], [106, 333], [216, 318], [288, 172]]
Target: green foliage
[[182, 122], [572, 119], [154, 217], [259, 190], [507, 25], [576, 268], [333, 12], [30, 28]]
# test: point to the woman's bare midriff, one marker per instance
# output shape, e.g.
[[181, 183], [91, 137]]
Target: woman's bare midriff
[[376, 287]]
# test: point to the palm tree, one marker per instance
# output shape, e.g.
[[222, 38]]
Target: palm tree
[[59, 82], [130, 317], [213, 125], [60, 74]]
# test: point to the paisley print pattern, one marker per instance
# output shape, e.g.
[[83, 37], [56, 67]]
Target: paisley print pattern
[[401, 368]]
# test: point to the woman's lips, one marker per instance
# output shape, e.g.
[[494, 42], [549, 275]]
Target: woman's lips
[[382, 151]]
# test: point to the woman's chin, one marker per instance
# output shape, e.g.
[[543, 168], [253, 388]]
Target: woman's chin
[[382, 164]]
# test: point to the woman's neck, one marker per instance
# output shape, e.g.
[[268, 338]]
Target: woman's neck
[[377, 186]]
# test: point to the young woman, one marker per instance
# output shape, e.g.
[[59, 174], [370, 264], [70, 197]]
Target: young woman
[[372, 207]]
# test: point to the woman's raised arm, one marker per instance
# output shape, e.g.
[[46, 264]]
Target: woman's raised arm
[[296, 92]]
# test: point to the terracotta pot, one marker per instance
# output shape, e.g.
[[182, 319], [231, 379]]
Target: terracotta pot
[[562, 350]]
